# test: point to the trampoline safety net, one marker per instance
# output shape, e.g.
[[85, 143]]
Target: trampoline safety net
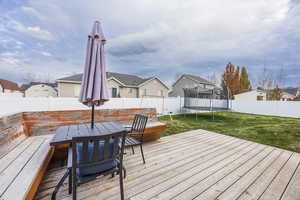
[[200, 99]]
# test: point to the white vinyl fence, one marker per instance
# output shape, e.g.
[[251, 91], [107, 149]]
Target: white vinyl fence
[[164, 106], [273, 108], [10, 105], [11, 95]]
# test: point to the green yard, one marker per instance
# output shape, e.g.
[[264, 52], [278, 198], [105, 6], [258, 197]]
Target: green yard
[[275, 131]]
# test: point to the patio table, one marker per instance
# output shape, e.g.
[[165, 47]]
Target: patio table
[[64, 134]]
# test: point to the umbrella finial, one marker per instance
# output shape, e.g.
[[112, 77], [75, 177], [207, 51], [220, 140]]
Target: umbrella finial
[[97, 31]]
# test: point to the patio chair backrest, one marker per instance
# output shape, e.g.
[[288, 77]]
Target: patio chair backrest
[[139, 124], [113, 147]]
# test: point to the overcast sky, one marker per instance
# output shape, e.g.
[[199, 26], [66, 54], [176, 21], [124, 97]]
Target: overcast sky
[[161, 38]]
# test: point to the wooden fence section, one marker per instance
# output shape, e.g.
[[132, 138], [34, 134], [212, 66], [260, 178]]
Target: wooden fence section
[[41, 123], [11, 132], [14, 128]]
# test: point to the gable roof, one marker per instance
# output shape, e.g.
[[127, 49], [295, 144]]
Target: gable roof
[[26, 86], [194, 78], [152, 78], [6, 84], [74, 78], [125, 79]]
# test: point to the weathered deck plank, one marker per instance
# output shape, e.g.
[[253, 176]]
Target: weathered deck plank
[[258, 187], [281, 181], [293, 189], [7, 176], [173, 186], [31, 169], [14, 154], [196, 165]]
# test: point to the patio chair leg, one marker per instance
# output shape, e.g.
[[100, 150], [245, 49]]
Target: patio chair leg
[[132, 149], [74, 192], [121, 184], [70, 182], [142, 152], [62, 180]]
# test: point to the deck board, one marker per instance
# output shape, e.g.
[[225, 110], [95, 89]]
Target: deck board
[[8, 175], [277, 188], [31, 169], [195, 165]]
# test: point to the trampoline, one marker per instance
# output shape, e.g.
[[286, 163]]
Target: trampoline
[[206, 100]]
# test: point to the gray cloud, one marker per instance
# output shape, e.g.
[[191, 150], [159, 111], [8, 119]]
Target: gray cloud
[[133, 49], [167, 37]]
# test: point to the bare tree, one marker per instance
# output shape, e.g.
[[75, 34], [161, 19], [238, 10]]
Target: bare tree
[[177, 76], [266, 82], [48, 78], [281, 78], [29, 77], [213, 79]]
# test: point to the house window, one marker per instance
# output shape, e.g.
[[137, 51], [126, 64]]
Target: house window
[[144, 92], [113, 92], [130, 91]]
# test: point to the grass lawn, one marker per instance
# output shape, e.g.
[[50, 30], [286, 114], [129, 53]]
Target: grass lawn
[[275, 131]]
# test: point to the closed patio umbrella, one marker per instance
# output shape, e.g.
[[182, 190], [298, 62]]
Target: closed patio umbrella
[[93, 86]]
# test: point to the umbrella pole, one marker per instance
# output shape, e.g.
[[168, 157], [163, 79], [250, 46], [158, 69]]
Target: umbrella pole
[[93, 116]]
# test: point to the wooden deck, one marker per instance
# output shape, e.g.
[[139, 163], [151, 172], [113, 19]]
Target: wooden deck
[[196, 165]]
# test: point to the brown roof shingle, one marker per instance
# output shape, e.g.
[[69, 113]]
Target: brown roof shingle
[[9, 85]]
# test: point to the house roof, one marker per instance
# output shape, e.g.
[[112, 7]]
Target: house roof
[[288, 94], [258, 91], [74, 78], [195, 78], [124, 79], [6, 84], [26, 86]]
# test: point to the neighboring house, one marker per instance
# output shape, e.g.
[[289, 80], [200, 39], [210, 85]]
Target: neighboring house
[[119, 85], [39, 89], [189, 81], [254, 95], [297, 98], [8, 86], [287, 96]]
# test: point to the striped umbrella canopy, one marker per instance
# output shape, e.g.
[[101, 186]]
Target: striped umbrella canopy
[[94, 86]]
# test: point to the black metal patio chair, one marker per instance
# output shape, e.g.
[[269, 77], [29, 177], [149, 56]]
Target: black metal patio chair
[[137, 130], [90, 157]]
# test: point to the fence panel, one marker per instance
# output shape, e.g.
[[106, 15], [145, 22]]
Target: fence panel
[[273, 108], [9, 105], [163, 106]]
